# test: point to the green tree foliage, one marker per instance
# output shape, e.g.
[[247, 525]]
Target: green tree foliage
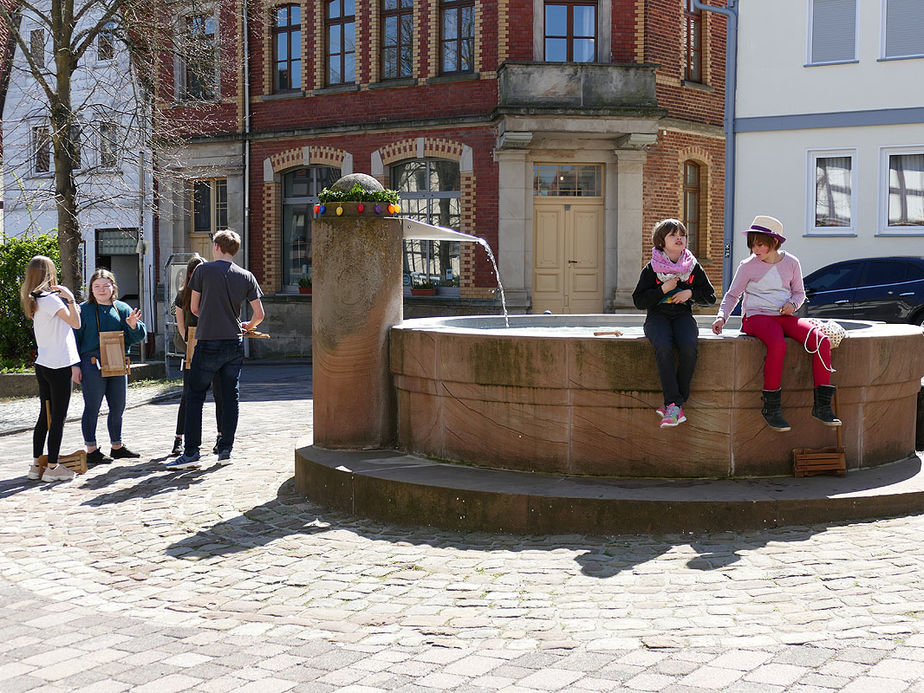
[[17, 342]]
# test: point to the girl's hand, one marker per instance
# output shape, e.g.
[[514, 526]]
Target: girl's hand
[[718, 325], [682, 296], [133, 318], [76, 375], [64, 293], [788, 308], [669, 285]]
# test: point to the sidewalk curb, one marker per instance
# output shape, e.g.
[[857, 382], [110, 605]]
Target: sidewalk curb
[[163, 396]]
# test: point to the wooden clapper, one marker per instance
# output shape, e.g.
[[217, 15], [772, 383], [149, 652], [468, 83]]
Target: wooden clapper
[[812, 461], [76, 461], [112, 357]]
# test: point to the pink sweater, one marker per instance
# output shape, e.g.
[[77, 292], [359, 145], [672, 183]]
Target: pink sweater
[[766, 287]]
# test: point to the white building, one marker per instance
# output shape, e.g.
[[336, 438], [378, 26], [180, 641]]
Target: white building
[[115, 210], [830, 126]]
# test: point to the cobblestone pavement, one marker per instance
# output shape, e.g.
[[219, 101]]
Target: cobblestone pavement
[[222, 579]]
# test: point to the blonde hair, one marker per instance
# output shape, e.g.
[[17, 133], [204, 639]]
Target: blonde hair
[[103, 273], [41, 273]]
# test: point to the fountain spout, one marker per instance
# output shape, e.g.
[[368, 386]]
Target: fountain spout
[[418, 230]]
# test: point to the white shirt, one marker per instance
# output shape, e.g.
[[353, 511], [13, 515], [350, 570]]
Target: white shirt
[[57, 346]]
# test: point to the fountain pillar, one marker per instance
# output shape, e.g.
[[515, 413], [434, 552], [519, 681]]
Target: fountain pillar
[[357, 295]]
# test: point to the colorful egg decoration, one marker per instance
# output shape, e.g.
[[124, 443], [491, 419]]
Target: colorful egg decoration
[[339, 211], [360, 207], [317, 208], [378, 209], [397, 209], [321, 209], [391, 209]]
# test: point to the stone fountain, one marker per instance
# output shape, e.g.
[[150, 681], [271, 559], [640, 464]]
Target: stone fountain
[[543, 426]]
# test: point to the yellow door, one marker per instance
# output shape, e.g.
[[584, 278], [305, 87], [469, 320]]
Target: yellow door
[[568, 256], [200, 243]]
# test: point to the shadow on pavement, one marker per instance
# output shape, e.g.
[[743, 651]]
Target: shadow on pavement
[[600, 557], [152, 480]]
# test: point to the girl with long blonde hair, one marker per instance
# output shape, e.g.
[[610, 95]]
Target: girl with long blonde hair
[[55, 316]]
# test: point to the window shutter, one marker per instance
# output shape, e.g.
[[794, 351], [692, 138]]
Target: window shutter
[[904, 28], [834, 30]]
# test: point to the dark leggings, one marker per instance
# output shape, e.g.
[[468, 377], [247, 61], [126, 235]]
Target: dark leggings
[[666, 332], [216, 395], [55, 394]]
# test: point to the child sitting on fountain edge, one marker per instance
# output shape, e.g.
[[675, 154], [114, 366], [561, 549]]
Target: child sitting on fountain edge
[[667, 288]]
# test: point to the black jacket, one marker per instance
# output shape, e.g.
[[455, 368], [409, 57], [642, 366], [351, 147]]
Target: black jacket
[[648, 294]]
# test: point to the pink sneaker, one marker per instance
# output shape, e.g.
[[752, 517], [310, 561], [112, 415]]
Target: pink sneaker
[[660, 411], [673, 415]]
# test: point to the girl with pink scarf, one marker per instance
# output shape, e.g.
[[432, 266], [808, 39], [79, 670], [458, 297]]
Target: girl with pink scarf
[[667, 288]]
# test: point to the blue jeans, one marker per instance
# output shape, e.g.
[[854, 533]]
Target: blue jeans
[[94, 387], [665, 332], [213, 358]]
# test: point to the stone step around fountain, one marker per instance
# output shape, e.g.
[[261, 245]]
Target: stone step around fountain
[[406, 489]]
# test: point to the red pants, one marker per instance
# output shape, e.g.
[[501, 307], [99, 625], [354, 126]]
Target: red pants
[[772, 330]]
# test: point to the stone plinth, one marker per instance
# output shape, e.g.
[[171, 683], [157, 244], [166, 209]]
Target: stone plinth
[[356, 298]]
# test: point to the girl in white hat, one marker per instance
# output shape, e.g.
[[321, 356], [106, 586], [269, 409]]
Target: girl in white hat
[[770, 281]]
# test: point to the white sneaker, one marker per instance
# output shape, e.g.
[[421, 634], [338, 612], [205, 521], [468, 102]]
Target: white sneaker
[[58, 473], [34, 473]]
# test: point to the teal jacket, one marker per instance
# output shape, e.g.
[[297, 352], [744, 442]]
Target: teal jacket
[[111, 319]]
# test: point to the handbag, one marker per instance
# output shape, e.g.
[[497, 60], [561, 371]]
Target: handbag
[[822, 330]]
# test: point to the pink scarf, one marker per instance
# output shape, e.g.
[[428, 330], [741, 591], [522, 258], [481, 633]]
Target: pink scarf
[[665, 269]]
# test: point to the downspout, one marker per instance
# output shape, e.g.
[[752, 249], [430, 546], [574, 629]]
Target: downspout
[[731, 80], [246, 145]]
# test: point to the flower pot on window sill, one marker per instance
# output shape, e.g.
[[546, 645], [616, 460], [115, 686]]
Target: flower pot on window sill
[[423, 292], [304, 289]]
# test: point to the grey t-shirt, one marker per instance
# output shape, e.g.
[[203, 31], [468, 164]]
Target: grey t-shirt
[[224, 287]]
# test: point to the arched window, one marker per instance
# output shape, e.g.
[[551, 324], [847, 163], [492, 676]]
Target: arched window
[[429, 190], [287, 48], [299, 195], [692, 205]]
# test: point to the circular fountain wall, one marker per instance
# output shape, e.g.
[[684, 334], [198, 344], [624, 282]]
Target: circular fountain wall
[[548, 395]]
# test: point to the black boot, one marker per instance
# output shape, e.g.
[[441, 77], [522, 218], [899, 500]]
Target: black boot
[[773, 410], [822, 408]]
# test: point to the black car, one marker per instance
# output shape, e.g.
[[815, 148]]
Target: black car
[[890, 289]]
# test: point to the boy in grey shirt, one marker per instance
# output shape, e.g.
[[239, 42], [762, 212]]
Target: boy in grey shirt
[[219, 290]]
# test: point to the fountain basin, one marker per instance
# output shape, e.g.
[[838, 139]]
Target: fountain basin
[[547, 395]]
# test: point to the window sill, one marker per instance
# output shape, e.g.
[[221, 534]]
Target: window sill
[[336, 89], [902, 232], [282, 95], [400, 82], [890, 58], [454, 77], [846, 233], [697, 86], [195, 103], [833, 62]]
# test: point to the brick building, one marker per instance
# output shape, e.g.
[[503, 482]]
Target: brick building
[[558, 130]]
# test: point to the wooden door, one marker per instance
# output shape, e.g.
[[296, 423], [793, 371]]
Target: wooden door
[[568, 256]]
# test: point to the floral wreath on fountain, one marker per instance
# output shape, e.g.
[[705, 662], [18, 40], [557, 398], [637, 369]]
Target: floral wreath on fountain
[[359, 196]]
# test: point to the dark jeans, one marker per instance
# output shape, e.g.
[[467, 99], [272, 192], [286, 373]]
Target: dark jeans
[[213, 358], [55, 395], [665, 332], [181, 414], [95, 387]]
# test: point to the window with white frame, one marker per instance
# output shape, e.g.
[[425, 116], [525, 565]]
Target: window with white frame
[[902, 190], [108, 144], [903, 29], [105, 42], [833, 31], [37, 46], [41, 149], [831, 192], [209, 205]]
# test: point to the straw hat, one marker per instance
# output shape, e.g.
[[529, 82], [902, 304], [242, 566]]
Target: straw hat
[[767, 225]]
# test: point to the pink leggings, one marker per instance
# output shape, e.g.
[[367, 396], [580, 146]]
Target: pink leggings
[[772, 330]]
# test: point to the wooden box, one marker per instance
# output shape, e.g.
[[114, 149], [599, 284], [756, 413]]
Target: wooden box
[[113, 360]]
